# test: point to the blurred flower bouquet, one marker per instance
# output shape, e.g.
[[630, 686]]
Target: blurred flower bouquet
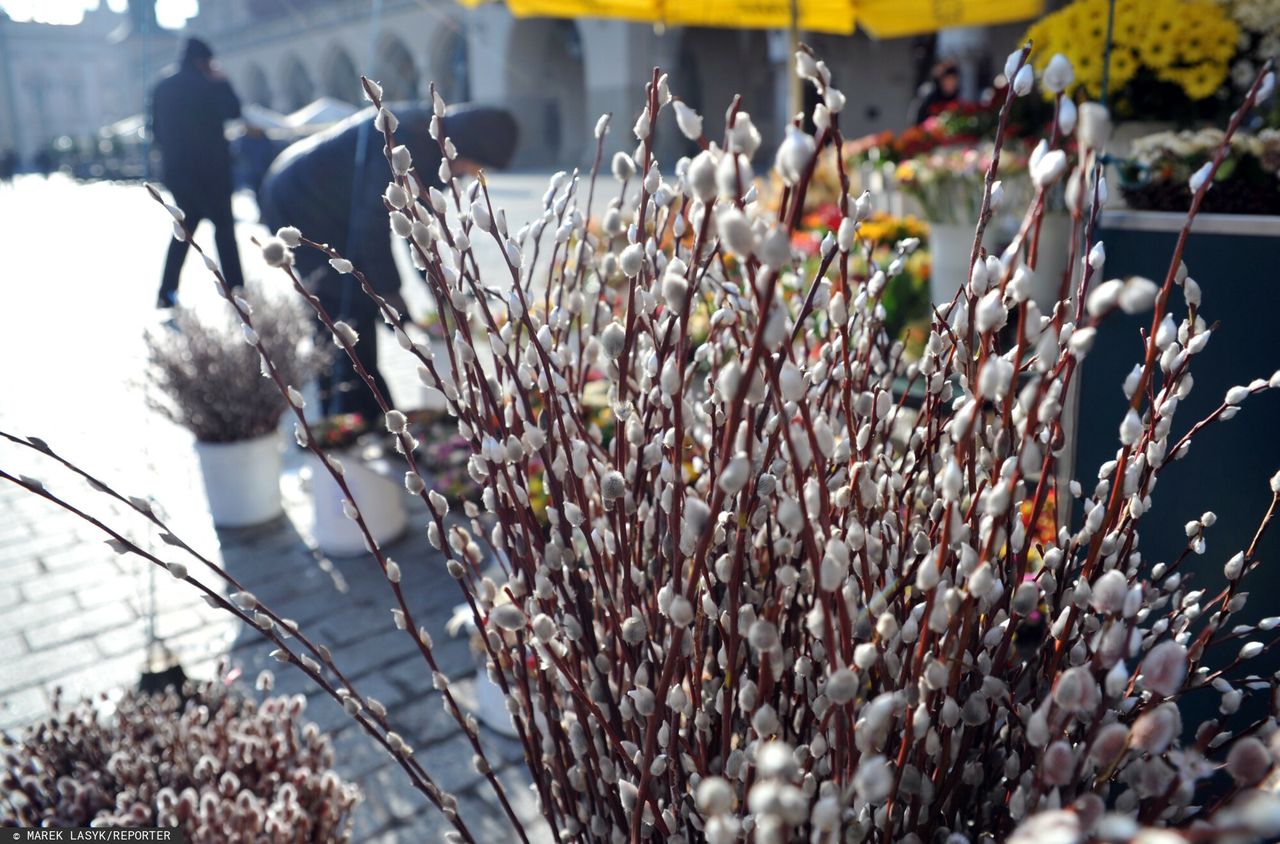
[[1247, 181], [1169, 58], [906, 294], [960, 125], [947, 182], [443, 454], [206, 378], [942, 161], [337, 432]]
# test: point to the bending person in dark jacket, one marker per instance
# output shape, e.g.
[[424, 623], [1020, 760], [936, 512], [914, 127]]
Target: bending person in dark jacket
[[188, 110], [330, 187]]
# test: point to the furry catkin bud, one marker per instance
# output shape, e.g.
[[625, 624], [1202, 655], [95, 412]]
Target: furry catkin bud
[[842, 685], [702, 176], [689, 121], [715, 796], [735, 231], [681, 611], [345, 334], [631, 260], [276, 254], [613, 486], [1058, 75], [874, 779], [623, 167], [1164, 668], [507, 616], [1093, 126], [794, 155], [401, 160]]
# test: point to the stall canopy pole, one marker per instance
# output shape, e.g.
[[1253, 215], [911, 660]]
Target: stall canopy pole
[[362, 146]]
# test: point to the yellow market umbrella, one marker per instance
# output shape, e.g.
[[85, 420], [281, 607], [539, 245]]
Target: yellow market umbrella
[[880, 18]]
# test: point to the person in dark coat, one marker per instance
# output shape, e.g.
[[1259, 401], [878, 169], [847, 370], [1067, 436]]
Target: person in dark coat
[[941, 92], [8, 165], [330, 187], [188, 110]]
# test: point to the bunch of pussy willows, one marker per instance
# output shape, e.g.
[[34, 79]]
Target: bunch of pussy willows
[[783, 585]]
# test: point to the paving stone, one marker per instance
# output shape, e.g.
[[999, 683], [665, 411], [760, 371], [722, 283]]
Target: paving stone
[[17, 566], [377, 650], [12, 646], [77, 556], [49, 541], [14, 533], [80, 625], [27, 615], [48, 584], [131, 639], [18, 709], [37, 668], [360, 755], [103, 675], [423, 721]]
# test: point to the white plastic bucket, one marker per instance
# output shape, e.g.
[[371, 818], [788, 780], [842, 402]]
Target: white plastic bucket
[[380, 499], [242, 480]]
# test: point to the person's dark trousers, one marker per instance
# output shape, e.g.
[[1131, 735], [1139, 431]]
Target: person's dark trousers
[[217, 210], [342, 390]]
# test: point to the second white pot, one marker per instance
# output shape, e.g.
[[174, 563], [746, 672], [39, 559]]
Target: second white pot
[[380, 500]]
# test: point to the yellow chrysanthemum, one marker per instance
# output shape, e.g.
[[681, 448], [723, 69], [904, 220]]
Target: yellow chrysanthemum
[[1123, 66], [1203, 80], [1088, 68], [1157, 53], [1186, 42], [1069, 20], [1193, 46], [1128, 31], [1222, 38]]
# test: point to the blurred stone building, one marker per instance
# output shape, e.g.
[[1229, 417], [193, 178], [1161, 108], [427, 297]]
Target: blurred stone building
[[70, 81], [557, 75]]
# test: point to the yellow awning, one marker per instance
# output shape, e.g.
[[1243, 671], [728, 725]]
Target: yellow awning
[[829, 16], [880, 18], [899, 18], [645, 11]]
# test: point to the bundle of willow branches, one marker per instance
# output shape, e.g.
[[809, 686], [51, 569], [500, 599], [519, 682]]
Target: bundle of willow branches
[[771, 597]]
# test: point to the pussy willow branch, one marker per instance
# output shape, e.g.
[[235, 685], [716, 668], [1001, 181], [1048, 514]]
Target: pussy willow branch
[[379, 732]]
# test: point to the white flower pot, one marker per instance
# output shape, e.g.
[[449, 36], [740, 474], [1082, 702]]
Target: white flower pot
[[491, 705], [380, 499], [242, 480], [950, 245], [1051, 261]]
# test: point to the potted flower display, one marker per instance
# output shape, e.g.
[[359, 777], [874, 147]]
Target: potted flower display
[[1157, 175], [1168, 59], [212, 763], [939, 166], [206, 378]]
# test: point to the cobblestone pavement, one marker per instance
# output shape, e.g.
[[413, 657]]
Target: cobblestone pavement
[[81, 264]]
